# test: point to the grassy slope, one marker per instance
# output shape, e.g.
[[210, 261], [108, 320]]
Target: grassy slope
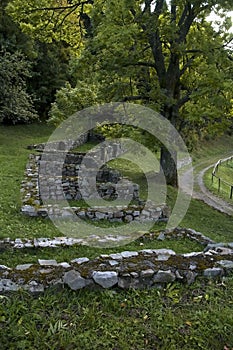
[[190, 317], [225, 173]]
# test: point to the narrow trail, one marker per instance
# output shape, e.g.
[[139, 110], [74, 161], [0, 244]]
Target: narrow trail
[[202, 193]]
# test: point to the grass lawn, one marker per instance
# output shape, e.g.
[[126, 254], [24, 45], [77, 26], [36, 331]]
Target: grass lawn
[[225, 173], [176, 317]]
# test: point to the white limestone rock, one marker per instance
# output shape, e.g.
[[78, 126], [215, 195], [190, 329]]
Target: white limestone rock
[[105, 279]]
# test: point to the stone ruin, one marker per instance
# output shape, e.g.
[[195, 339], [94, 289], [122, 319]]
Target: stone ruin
[[56, 175], [146, 268]]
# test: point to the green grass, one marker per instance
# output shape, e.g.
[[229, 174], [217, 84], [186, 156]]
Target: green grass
[[207, 152], [13, 158], [12, 257], [175, 317], [225, 173]]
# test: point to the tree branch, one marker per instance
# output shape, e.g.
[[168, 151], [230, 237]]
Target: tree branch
[[58, 8], [143, 64], [135, 98], [183, 100], [173, 11], [187, 65]]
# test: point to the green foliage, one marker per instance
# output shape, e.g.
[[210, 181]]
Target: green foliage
[[50, 21], [15, 102], [50, 71], [47, 63], [11, 37], [70, 100]]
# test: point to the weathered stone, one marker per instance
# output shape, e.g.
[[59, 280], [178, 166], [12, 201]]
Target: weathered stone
[[163, 251], [128, 254], [47, 262], [134, 274], [147, 273], [113, 262], [116, 256], [224, 251], [192, 266], [127, 281], [164, 277], [7, 285], [190, 276], [28, 245], [214, 245], [226, 264], [178, 275], [80, 260], [128, 218], [193, 254], [161, 237], [162, 257], [104, 256], [29, 210], [147, 251], [100, 216], [45, 271], [35, 287], [74, 280], [23, 267], [213, 272], [105, 279], [4, 267], [65, 265]]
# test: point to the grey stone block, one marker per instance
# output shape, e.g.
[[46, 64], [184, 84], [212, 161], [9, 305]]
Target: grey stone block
[[74, 280], [47, 262], [80, 260], [23, 267], [105, 279], [164, 277], [226, 264], [129, 254], [213, 272]]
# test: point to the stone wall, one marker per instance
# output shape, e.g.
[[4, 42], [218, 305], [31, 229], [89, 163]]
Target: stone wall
[[61, 145], [48, 177], [146, 268]]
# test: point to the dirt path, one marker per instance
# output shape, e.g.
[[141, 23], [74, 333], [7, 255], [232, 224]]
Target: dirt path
[[202, 193]]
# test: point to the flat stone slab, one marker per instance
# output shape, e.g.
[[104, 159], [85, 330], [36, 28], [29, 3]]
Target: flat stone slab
[[80, 260], [23, 267], [129, 254], [47, 262]]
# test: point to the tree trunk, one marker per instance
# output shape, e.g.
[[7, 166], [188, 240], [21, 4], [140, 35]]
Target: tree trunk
[[168, 166]]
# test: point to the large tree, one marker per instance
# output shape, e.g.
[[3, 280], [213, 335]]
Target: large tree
[[160, 53]]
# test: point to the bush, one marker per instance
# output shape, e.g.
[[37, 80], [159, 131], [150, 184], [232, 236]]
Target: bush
[[70, 100], [16, 104]]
